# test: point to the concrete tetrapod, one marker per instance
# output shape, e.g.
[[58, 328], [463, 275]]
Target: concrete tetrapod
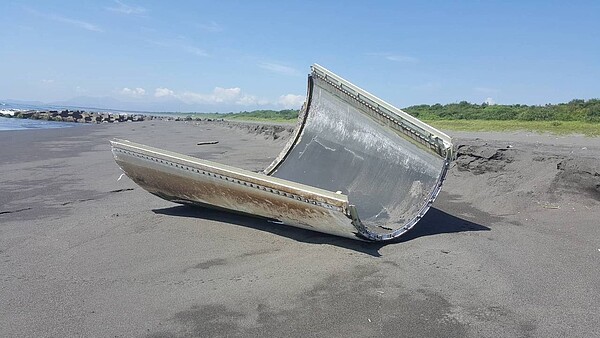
[[355, 167]]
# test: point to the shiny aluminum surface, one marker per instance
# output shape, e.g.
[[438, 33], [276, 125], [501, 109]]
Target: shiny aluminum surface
[[356, 167]]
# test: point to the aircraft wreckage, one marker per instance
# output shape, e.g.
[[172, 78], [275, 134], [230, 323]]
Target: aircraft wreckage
[[355, 167]]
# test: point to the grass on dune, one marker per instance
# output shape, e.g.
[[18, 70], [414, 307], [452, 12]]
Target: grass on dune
[[261, 119], [553, 127]]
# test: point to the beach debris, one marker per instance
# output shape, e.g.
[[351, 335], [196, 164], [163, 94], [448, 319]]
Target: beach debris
[[389, 165], [202, 143], [121, 190], [13, 211], [550, 206]]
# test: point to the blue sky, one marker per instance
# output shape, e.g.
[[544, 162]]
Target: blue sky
[[241, 55]]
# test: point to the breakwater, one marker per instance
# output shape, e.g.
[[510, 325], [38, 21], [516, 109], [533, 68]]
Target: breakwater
[[79, 116]]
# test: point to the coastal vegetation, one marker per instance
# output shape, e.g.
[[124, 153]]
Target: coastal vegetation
[[553, 127], [574, 110], [286, 115], [575, 116]]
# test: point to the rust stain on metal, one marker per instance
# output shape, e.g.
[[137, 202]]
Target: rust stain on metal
[[216, 193]]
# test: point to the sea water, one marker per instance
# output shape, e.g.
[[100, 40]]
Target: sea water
[[25, 124]]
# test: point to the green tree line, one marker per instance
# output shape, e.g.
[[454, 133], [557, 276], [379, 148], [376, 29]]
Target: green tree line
[[575, 110], [287, 114]]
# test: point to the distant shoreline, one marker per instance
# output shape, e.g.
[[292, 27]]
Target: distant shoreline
[[80, 116], [289, 117]]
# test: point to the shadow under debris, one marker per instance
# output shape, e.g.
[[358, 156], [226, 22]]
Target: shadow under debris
[[433, 223]]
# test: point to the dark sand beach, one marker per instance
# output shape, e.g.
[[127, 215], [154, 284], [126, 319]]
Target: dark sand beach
[[511, 247]]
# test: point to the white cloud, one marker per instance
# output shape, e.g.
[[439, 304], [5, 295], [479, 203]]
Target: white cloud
[[47, 81], [225, 94], [81, 24], [401, 58], [126, 9], [247, 100], [211, 26], [251, 100], [181, 44], [218, 96], [135, 93], [279, 68], [194, 50], [162, 92], [73, 22], [490, 101], [396, 57], [291, 101]]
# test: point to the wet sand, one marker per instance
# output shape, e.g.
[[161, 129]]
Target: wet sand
[[511, 247]]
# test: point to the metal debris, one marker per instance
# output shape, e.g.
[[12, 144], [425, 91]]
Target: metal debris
[[356, 167]]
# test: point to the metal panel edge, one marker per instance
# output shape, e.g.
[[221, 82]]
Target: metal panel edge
[[275, 185], [185, 183], [302, 115], [402, 121]]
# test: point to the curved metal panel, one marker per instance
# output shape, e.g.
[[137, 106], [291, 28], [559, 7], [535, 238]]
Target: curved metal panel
[[355, 167], [390, 177]]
